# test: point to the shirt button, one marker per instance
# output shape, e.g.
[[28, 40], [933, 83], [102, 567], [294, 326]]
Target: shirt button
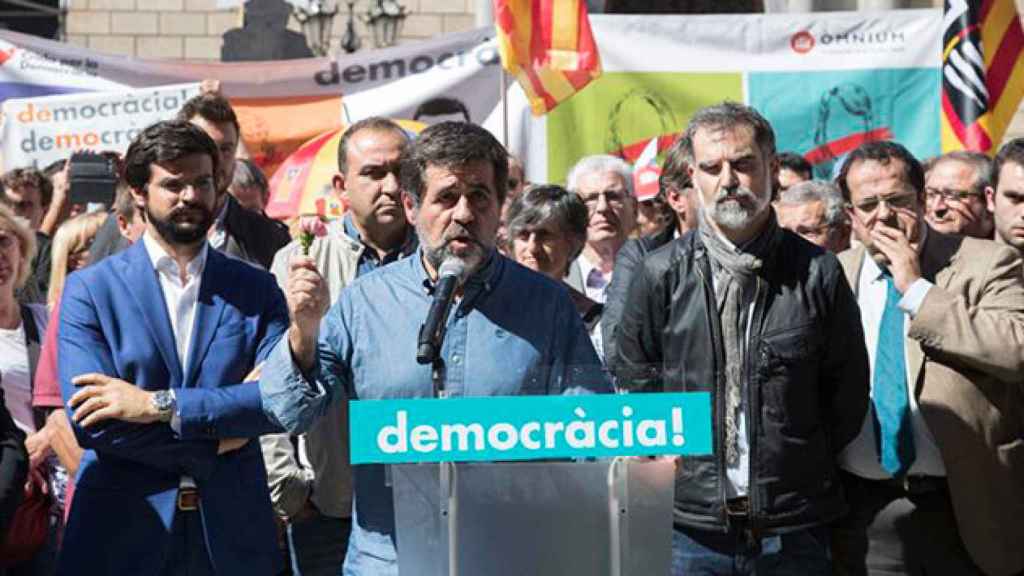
[[456, 359]]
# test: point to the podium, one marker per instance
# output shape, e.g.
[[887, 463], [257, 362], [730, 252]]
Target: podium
[[543, 518]]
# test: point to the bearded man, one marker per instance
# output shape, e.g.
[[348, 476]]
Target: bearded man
[[766, 322], [512, 331]]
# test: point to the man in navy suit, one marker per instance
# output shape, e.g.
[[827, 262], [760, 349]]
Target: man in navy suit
[[155, 344]]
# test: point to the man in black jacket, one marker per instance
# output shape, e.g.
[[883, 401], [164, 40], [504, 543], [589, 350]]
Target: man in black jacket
[[766, 322], [677, 189], [236, 231]]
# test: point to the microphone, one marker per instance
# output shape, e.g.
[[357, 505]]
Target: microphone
[[449, 277]]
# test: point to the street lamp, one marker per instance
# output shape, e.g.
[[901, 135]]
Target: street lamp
[[316, 25], [385, 20]]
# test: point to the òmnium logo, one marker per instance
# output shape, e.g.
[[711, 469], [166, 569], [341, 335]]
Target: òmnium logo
[[847, 41], [802, 42]]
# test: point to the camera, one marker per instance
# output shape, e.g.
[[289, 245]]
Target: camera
[[92, 178]]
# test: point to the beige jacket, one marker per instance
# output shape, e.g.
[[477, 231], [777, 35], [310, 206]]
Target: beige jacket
[[328, 483], [967, 357]]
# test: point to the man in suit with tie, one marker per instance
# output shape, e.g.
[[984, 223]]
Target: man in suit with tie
[[936, 476], [155, 343]]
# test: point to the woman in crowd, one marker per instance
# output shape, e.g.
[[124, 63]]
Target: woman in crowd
[[70, 250], [547, 228], [22, 327]]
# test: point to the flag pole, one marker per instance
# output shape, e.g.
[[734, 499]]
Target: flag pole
[[503, 82]]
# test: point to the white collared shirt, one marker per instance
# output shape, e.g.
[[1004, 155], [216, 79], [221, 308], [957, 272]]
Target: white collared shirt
[[180, 297], [595, 293], [861, 456]]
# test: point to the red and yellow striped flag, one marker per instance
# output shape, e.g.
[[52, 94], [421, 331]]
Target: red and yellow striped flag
[[548, 46], [982, 73]]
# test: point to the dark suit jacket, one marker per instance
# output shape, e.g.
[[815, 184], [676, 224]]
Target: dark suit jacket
[[966, 358], [627, 261], [113, 321], [13, 466], [253, 237]]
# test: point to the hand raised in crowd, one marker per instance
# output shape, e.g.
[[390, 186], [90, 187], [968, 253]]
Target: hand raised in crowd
[[903, 259], [103, 397], [308, 300]]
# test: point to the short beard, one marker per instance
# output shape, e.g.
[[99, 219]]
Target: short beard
[[435, 255], [176, 234], [734, 215]]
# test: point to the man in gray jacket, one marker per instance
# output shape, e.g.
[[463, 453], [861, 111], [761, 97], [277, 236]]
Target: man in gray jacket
[[310, 475]]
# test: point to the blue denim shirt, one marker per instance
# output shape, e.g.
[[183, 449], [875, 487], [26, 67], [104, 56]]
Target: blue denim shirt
[[369, 260], [513, 332]]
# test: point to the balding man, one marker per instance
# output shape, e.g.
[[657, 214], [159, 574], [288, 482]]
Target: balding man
[[955, 194]]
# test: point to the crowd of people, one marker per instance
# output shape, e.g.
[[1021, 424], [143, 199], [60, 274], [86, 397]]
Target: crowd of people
[[176, 366]]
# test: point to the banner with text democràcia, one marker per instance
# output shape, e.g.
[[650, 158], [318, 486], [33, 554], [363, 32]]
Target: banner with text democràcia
[[280, 104], [42, 130], [529, 427], [827, 81]]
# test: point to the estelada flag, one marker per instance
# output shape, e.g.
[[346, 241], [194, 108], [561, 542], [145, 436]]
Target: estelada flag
[[982, 73], [548, 46]]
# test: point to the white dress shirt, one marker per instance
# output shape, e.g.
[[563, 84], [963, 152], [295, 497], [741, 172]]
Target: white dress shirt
[[861, 456], [180, 298], [596, 292]]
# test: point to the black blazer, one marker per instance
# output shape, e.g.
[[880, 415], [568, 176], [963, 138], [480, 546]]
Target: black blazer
[[253, 237], [13, 466]]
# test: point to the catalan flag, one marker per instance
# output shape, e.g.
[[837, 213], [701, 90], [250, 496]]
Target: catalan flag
[[982, 73], [548, 46]]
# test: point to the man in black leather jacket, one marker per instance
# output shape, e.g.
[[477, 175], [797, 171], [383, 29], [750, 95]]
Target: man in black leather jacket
[[767, 323]]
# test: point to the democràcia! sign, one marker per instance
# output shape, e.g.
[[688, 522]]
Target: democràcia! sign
[[529, 427]]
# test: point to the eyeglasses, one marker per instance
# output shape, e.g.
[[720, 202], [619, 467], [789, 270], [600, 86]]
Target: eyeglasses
[[615, 198], [951, 196], [903, 202]]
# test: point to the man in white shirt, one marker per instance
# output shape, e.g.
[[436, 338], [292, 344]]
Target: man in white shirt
[[155, 342], [605, 184], [934, 477]]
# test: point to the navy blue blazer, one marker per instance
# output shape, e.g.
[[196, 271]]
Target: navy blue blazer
[[113, 320]]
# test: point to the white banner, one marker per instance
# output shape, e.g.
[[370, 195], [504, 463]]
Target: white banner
[[44, 129]]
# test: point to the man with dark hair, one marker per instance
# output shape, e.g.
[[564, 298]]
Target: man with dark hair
[[249, 186], [236, 231], [1005, 196], [677, 189], [512, 331], [154, 344], [933, 479], [316, 500], [954, 191], [793, 169], [441, 109], [122, 227], [762, 319], [27, 192]]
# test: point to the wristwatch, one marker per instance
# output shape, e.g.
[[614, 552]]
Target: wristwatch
[[165, 403]]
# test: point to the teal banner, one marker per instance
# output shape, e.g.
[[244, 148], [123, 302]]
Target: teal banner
[[529, 427]]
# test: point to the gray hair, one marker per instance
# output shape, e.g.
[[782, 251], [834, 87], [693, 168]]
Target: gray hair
[[600, 163], [818, 191], [248, 174], [982, 164], [728, 115], [540, 204]]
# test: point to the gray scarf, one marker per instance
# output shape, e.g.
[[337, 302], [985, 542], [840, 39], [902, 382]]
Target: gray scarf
[[735, 270]]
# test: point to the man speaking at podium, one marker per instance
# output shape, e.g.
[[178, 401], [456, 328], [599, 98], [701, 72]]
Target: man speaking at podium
[[510, 331]]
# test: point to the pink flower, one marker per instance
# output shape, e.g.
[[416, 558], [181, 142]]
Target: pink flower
[[311, 226]]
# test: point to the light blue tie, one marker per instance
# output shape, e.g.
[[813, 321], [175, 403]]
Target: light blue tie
[[892, 406]]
